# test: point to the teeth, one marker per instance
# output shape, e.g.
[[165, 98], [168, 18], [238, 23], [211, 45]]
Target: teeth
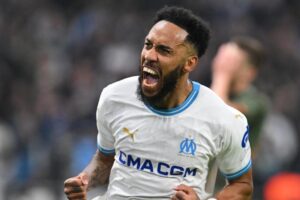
[[150, 71]]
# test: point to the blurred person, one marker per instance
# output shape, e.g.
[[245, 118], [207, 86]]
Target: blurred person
[[159, 134], [234, 70]]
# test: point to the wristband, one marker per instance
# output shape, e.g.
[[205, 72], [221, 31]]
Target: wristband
[[212, 198]]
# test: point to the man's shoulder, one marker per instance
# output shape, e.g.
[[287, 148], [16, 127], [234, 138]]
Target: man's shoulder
[[122, 87], [216, 109], [119, 92], [129, 82], [210, 101]]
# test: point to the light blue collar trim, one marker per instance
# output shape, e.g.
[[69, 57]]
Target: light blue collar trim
[[173, 111]]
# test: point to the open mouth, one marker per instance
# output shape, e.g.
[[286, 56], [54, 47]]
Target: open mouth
[[150, 77]]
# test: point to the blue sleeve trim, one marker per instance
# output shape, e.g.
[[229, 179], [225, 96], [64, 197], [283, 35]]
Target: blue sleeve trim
[[106, 151], [239, 173]]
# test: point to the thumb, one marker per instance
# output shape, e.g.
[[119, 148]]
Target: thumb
[[84, 178]]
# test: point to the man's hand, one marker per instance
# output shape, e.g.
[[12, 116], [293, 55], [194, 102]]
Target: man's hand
[[184, 192], [76, 187], [227, 68], [228, 60]]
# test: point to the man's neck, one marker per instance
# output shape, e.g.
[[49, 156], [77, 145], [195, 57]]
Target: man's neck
[[178, 96]]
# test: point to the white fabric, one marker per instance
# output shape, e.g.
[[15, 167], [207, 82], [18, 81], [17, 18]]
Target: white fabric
[[156, 150], [99, 198]]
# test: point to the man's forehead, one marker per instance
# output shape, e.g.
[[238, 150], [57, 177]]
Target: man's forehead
[[167, 33]]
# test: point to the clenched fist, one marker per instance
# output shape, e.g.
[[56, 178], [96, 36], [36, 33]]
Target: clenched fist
[[184, 192], [76, 187]]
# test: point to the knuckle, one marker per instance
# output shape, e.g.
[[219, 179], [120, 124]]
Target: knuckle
[[77, 196], [66, 181]]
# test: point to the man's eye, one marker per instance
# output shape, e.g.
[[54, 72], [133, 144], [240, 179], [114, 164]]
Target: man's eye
[[148, 45], [164, 51]]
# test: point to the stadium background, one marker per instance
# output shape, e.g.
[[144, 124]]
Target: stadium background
[[57, 55]]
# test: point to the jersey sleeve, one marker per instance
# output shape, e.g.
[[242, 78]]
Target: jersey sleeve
[[105, 139], [235, 159]]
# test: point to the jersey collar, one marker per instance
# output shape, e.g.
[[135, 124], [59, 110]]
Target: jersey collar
[[173, 111]]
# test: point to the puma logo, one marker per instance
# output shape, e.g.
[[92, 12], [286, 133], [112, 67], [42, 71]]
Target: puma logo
[[129, 133], [238, 116]]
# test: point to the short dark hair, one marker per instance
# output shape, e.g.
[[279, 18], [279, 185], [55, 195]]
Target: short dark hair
[[253, 48], [197, 29]]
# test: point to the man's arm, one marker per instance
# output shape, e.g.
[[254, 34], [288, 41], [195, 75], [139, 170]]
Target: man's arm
[[98, 169], [239, 189], [96, 173], [221, 86], [226, 67]]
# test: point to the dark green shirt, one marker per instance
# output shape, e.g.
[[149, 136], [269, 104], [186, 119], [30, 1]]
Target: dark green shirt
[[257, 105]]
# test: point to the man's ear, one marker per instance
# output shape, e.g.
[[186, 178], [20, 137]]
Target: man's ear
[[190, 64]]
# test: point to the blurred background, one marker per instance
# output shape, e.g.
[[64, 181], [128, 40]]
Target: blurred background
[[57, 55]]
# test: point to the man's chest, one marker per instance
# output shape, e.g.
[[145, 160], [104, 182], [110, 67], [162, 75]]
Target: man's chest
[[158, 142]]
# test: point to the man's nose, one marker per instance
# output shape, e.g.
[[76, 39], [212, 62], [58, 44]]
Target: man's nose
[[151, 55]]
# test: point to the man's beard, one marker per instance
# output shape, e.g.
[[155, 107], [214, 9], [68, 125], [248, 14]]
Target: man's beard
[[169, 85]]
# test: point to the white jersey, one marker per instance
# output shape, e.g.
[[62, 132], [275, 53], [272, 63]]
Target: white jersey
[[156, 150]]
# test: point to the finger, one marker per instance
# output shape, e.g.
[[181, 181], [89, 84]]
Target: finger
[[180, 195], [73, 189], [184, 188], [75, 196], [75, 181], [84, 178], [173, 198], [80, 199]]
